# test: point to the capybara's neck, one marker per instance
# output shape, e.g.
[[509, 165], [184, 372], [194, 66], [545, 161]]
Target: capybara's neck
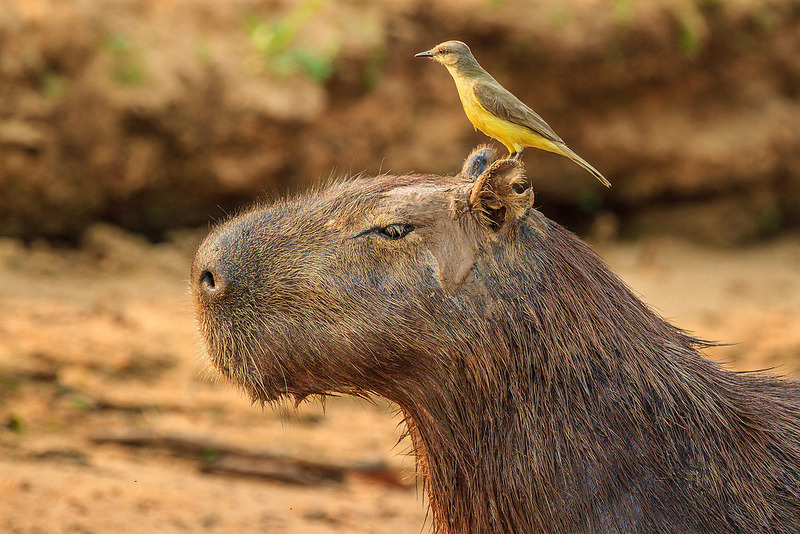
[[577, 409]]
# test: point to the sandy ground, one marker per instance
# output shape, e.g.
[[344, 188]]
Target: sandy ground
[[99, 341]]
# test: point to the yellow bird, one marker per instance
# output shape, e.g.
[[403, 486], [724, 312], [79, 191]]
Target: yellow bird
[[492, 109]]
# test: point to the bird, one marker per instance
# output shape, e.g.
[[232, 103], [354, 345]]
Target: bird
[[492, 109]]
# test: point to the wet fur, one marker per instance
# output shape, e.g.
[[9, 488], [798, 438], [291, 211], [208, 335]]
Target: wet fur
[[540, 394]]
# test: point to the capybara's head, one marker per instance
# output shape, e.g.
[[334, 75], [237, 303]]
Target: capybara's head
[[356, 287], [539, 393]]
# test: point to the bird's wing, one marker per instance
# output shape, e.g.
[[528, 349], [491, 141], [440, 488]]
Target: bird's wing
[[501, 103]]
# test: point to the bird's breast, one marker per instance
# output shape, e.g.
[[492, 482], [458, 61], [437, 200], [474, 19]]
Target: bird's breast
[[513, 136], [479, 117]]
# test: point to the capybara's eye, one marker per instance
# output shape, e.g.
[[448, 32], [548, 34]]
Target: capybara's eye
[[395, 231]]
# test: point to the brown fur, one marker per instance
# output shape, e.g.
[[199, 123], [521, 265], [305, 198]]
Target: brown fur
[[540, 394]]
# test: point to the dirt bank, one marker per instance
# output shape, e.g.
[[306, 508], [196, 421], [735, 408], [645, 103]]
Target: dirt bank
[[155, 115]]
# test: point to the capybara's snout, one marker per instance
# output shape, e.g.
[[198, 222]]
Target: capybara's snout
[[213, 272], [211, 279]]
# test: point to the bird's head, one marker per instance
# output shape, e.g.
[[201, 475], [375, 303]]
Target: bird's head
[[449, 53]]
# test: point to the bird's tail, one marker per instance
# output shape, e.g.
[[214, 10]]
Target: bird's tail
[[567, 151]]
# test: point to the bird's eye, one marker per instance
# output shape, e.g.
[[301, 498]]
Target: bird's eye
[[440, 52], [395, 231]]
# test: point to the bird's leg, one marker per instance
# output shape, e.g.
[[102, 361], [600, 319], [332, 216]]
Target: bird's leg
[[516, 155]]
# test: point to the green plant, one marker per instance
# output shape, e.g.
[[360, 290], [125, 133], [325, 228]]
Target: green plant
[[209, 454], [273, 41], [558, 15], [623, 12], [688, 41], [14, 423], [202, 50], [771, 219], [51, 84], [613, 55], [690, 29], [127, 66], [766, 18], [82, 403], [373, 67], [9, 383]]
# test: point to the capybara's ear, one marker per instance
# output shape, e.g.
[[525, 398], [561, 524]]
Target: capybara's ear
[[477, 161], [501, 193]]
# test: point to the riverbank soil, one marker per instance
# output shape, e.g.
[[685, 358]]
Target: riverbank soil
[[112, 420]]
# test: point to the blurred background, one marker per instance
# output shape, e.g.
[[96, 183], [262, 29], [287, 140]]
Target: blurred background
[[128, 126]]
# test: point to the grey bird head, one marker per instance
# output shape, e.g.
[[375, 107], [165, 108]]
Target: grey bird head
[[450, 54]]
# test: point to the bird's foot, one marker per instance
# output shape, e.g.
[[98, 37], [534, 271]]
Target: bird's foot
[[516, 155]]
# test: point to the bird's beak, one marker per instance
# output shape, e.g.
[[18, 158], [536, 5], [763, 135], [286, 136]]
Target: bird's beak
[[427, 53]]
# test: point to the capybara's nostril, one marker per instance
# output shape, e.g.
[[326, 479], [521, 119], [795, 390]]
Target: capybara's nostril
[[212, 267], [207, 281], [211, 282]]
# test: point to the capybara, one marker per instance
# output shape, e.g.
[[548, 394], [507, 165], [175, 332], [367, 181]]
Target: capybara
[[540, 394]]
